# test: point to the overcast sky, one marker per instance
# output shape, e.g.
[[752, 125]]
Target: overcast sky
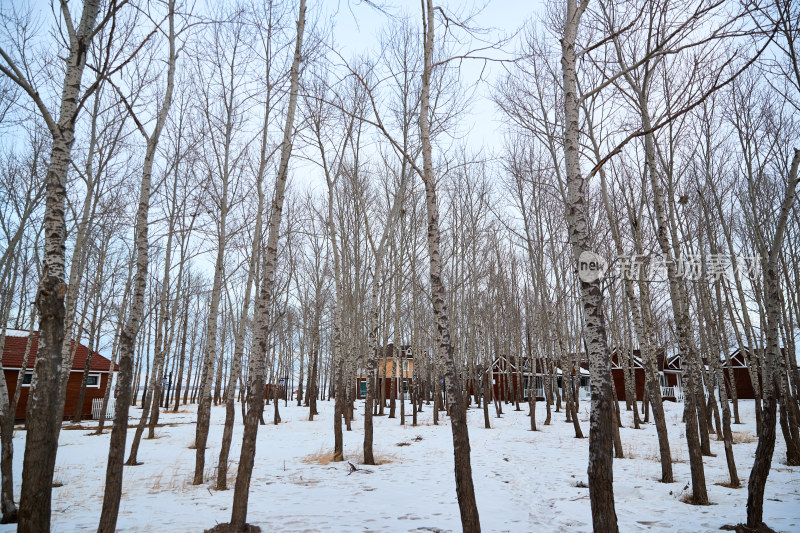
[[358, 26]]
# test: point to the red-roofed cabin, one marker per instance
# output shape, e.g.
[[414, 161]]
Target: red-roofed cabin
[[99, 372]]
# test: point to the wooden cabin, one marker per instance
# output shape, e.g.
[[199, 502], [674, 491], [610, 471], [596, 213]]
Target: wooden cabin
[[271, 390], [741, 376], [505, 378], [620, 367], [13, 354], [403, 375], [669, 374]]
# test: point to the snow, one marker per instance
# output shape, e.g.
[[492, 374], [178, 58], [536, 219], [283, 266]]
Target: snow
[[525, 481], [17, 332]]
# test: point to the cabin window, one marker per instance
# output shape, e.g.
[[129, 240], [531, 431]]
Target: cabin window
[[27, 379], [405, 386], [661, 380], [93, 380], [405, 366], [362, 392]]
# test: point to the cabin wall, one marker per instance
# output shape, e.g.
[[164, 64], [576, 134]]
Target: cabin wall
[[386, 383], [744, 385], [71, 400], [619, 383], [270, 390]]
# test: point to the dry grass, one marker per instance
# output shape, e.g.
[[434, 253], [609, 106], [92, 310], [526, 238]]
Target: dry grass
[[324, 456], [381, 457], [210, 475], [653, 453], [728, 484], [58, 479], [678, 454], [743, 437], [171, 480], [689, 500], [321, 457], [628, 451]]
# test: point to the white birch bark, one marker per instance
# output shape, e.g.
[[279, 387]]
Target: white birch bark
[[766, 440], [130, 332], [44, 407], [601, 475], [470, 521], [255, 389]]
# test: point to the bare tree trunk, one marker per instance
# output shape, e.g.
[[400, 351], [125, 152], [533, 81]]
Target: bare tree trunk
[[7, 505], [255, 393], [238, 351], [25, 357], [119, 431], [601, 474], [107, 393], [44, 408], [483, 375], [470, 521], [93, 327], [766, 440], [182, 357]]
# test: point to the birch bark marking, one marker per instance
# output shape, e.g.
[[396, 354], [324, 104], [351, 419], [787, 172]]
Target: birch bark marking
[[255, 389], [641, 323], [470, 521], [601, 474], [119, 430], [680, 308], [238, 351], [766, 440], [207, 380], [41, 443]]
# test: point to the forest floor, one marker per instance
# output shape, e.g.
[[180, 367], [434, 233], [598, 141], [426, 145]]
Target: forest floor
[[525, 481]]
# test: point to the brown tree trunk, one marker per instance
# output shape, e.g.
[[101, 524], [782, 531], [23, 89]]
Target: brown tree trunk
[[44, 406], [766, 440], [255, 393], [119, 431], [470, 521], [7, 505], [601, 475]]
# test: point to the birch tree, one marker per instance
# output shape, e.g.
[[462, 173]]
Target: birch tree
[[255, 389], [43, 414], [130, 332]]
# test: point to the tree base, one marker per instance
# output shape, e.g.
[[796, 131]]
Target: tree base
[[228, 528], [743, 528], [9, 518]]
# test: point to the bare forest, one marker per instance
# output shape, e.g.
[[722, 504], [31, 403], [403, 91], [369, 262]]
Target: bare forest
[[566, 230]]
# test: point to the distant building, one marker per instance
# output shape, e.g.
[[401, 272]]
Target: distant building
[[505, 375], [403, 377], [669, 375], [99, 373]]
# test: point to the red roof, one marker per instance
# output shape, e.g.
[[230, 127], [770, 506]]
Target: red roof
[[14, 351]]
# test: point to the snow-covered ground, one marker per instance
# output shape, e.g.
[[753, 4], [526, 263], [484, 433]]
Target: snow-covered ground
[[524, 481]]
